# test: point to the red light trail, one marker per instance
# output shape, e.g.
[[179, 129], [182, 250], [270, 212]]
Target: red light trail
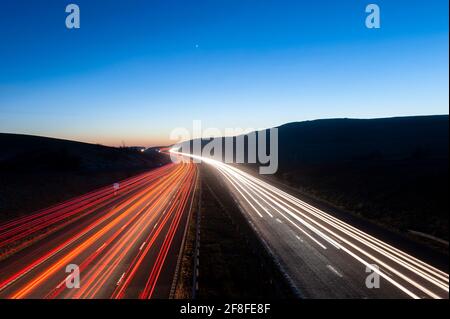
[[122, 243]]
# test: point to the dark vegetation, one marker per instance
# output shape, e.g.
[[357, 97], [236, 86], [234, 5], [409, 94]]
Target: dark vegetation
[[392, 171], [36, 172]]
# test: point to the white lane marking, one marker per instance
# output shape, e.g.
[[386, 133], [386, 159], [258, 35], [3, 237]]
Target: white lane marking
[[142, 246], [268, 213], [236, 187], [334, 270], [303, 231], [278, 220], [298, 237], [155, 225], [120, 279]]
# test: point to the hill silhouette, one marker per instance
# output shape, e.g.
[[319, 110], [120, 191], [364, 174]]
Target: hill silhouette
[[393, 171], [35, 153], [36, 172], [342, 140]]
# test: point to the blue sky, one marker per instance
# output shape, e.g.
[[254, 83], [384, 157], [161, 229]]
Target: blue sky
[[136, 69]]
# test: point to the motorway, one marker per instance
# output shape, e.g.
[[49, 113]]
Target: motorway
[[125, 242], [322, 256]]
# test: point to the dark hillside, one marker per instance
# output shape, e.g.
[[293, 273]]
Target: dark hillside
[[392, 171], [36, 172]]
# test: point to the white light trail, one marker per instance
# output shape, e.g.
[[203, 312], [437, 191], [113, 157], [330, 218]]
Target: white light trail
[[334, 231]]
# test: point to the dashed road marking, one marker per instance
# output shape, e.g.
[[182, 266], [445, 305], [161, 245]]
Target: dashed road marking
[[334, 270], [120, 279]]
